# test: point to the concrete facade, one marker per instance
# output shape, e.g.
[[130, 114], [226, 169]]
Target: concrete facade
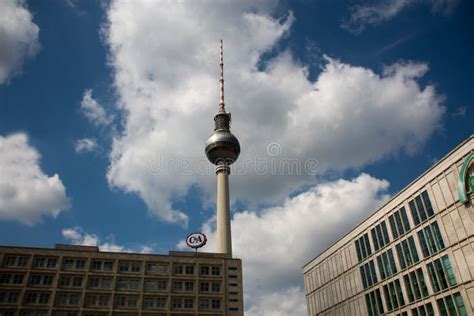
[[413, 256], [80, 280]]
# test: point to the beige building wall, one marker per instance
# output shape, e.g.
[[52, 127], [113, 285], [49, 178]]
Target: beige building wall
[[333, 280], [80, 280]]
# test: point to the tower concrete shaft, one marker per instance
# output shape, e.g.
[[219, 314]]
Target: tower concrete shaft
[[222, 149], [224, 237]]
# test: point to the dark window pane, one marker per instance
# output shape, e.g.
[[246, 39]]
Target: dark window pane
[[393, 227], [437, 233], [406, 223], [367, 244], [433, 277], [427, 201], [442, 307], [401, 258], [359, 255], [398, 219], [421, 209], [409, 289], [381, 267], [363, 277], [385, 233], [460, 304], [414, 213], [374, 239], [411, 241], [449, 271]]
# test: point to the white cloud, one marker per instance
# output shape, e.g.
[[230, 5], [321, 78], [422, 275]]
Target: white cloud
[[167, 87], [18, 37], [77, 236], [26, 192], [276, 242], [85, 145], [93, 110], [385, 10]]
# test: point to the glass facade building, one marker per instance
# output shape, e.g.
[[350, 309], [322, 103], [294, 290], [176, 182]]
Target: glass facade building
[[412, 256]]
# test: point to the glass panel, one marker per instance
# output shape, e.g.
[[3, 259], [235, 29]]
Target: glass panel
[[413, 249], [442, 307], [406, 253], [429, 309], [433, 277], [379, 301], [427, 201], [393, 268], [373, 273], [374, 239], [379, 235], [362, 275], [416, 286], [431, 240], [401, 258], [421, 279], [406, 223], [451, 308], [393, 227], [369, 305], [440, 274], [381, 267], [449, 271], [359, 255], [385, 233], [421, 209], [387, 298], [367, 244], [393, 295], [424, 245], [414, 213], [460, 304], [401, 230], [437, 233], [398, 288], [411, 298]]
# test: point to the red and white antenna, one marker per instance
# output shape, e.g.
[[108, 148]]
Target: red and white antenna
[[221, 80]]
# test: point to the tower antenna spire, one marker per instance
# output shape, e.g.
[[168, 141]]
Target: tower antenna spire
[[221, 80]]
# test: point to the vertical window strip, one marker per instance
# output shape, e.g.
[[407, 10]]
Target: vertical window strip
[[422, 282], [437, 234], [401, 258], [426, 200], [385, 233], [421, 209], [409, 288], [398, 290], [367, 244], [449, 270], [414, 212], [413, 251], [358, 252], [374, 239], [406, 223], [433, 277], [393, 227], [401, 229], [424, 245]]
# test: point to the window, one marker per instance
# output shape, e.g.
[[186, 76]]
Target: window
[[4, 278], [216, 287], [51, 263], [216, 303], [451, 305], [135, 267], [203, 303], [374, 303], [441, 274], [67, 299], [430, 239], [380, 236], [393, 295], [108, 265], [415, 285], [77, 281], [9, 261], [423, 310], [407, 254], [47, 280], [126, 301], [421, 208], [188, 303], [189, 270], [132, 284], [39, 262], [177, 286], [68, 264], [155, 285], [41, 280], [204, 287], [123, 267], [22, 261], [96, 265], [31, 297], [43, 298], [204, 270], [216, 270], [368, 274], [153, 302], [189, 286], [399, 223], [386, 263], [363, 247], [80, 264]]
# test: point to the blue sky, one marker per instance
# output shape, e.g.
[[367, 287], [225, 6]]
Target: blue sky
[[97, 92]]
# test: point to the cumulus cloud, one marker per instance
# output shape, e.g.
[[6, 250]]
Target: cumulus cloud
[[276, 242], [385, 10], [18, 38], [77, 236], [26, 192], [168, 90], [85, 145], [93, 110]]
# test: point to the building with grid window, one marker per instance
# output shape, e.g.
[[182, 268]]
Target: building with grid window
[[413, 256], [81, 280]]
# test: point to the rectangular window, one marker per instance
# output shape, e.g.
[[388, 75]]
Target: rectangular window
[[421, 208], [380, 235], [368, 274], [393, 295], [386, 264], [431, 240], [425, 310], [108, 266], [22, 261], [204, 270], [407, 253], [216, 270], [363, 247], [374, 303], [441, 274], [415, 285], [451, 305]]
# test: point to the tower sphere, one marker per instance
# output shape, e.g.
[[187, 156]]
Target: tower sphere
[[222, 146]]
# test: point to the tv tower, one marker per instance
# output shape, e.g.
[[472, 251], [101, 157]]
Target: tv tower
[[222, 149]]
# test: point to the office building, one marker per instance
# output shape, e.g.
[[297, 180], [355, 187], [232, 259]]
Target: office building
[[413, 256], [81, 280]]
